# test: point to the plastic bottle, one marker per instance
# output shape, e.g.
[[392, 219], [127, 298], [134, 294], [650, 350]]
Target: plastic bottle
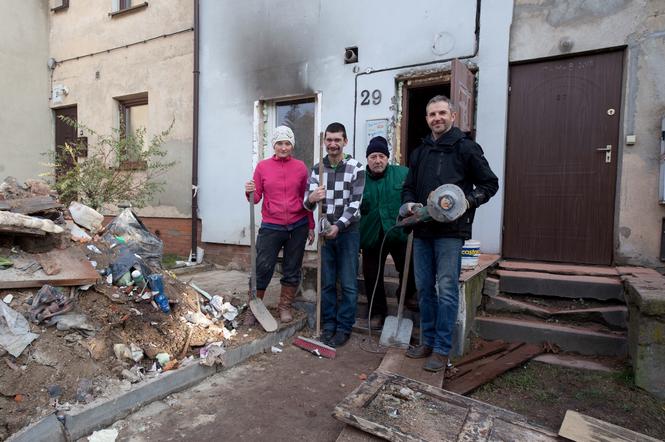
[[138, 278], [157, 286]]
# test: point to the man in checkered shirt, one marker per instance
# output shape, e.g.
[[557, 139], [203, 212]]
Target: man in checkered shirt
[[341, 193]]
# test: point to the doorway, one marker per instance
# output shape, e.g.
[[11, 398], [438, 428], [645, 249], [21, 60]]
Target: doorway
[[458, 84], [64, 134], [561, 157]]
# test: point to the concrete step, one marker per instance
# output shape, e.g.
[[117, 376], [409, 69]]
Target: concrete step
[[565, 286], [612, 316], [575, 339], [561, 269]]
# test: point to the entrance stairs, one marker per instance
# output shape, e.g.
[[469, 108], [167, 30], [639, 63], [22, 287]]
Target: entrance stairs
[[575, 308]]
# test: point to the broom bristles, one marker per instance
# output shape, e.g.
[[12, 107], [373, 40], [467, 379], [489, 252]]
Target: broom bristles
[[315, 347]]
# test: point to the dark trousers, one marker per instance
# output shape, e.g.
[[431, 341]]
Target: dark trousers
[[268, 245], [374, 264]]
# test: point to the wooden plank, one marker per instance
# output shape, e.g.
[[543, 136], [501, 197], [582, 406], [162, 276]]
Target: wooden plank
[[474, 365], [486, 373], [50, 262], [562, 269], [487, 349], [17, 230], [395, 361], [397, 408], [76, 270], [33, 204], [581, 428]]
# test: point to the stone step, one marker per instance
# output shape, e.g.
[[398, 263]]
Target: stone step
[[565, 286], [561, 269], [576, 339], [612, 316]]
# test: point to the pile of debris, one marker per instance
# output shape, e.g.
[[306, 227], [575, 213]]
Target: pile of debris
[[87, 308]]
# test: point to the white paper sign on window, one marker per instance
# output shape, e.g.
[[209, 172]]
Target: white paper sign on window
[[376, 128]]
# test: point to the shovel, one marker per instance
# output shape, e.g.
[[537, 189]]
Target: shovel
[[397, 330], [256, 305]]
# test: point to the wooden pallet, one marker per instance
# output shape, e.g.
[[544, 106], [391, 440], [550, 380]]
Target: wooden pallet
[[396, 408]]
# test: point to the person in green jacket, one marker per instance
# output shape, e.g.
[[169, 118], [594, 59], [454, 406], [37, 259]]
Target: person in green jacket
[[379, 209]]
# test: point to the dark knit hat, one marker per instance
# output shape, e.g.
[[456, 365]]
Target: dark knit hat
[[378, 144]]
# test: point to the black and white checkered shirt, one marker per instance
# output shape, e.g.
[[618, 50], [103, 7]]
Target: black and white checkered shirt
[[344, 191]]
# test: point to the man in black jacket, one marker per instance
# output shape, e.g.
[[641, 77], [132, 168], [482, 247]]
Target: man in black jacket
[[446, 156]]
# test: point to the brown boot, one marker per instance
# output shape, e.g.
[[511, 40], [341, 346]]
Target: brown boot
[[285, 299], [250, 320]]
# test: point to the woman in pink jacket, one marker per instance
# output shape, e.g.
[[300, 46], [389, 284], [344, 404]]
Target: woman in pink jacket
[[281, 182]]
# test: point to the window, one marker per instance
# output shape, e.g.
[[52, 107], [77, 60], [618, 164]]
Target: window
[[121, 7], [133, 121], [59, 5], [300, 116]]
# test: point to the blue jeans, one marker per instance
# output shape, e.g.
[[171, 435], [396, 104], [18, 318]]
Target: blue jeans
[[339, 260], [437, 263]]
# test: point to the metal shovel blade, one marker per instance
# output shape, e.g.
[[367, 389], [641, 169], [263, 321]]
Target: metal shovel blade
[[262, 315], [396, 333]]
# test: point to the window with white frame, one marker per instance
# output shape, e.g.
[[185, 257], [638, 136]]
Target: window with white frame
[[300, 115]]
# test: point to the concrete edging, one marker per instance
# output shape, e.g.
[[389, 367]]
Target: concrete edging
[[99, 416]]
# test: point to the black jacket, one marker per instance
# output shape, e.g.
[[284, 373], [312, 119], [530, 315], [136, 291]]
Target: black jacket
[[453, 158]]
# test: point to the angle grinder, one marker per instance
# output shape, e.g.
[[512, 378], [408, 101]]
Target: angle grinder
[[445, 204]]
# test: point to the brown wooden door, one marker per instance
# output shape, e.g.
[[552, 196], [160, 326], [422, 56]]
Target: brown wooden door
[[560, 188], [64, 133]]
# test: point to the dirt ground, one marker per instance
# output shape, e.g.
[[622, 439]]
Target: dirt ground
[[272, 397], [544, 392]]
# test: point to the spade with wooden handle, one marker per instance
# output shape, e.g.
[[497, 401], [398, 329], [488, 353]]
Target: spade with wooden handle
[[256, 305]]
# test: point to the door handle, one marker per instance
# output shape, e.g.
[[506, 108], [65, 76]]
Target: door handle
[[608, 152]]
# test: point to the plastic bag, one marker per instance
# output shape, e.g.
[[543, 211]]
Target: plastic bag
[[137, 238], [15, 332], [48, 302], [125, 261]]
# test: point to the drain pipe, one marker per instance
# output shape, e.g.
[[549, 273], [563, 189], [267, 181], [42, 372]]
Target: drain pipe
[[195, 139]]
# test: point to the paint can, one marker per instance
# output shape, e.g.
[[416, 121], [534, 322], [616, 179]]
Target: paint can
[[470, 254]]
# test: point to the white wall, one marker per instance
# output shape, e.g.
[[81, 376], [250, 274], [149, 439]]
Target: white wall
[[25, 119], [264, 49]]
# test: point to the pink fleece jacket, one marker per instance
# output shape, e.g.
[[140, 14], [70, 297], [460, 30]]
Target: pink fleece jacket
[[281, 182]]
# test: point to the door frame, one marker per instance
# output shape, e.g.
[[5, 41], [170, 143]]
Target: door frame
[[451, 76]]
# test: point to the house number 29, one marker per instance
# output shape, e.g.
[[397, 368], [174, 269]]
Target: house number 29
[[375, 97]]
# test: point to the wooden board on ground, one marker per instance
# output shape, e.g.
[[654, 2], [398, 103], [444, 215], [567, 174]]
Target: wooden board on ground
[[75, 270], [35, 204], [395, 361], [50, 262], [397, 408], [487, 348], [581, 428], [19, 230], [480, 375]]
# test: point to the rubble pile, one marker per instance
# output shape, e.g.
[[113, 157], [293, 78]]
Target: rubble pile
[[87, 308]]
